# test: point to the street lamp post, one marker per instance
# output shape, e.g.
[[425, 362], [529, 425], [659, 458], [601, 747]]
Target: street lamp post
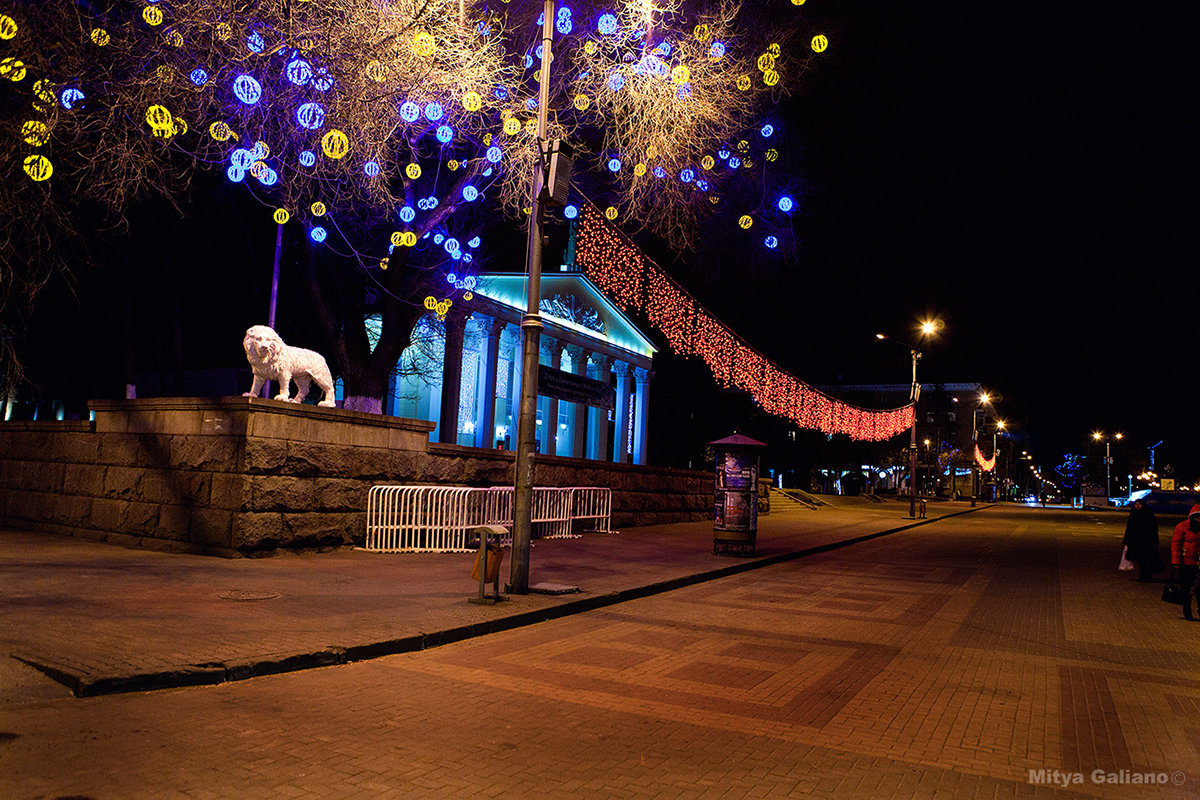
[[984, 399], [927, 329], [531, 329], [1098, 436]]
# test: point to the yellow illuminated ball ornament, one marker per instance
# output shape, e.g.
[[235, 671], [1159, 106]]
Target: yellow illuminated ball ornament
[[397, 238], [35, 133], [45, 91], [153, 15], [610, 213], [745, 222], [512, 126], [175, 38], [701, 32], [765, 62], [819, 43], [707, 162], [582, 102], [413, 171], [8, 27], [100, 37], [770, 77], [774, 49], [680, 74], [472, 101], [374, 71], [281, 216], [13, 69], [38, 167], [743, 82], [335, 144], [224, 31], [219, 131], [423, 44], [317, 209], [639, 170], [408, 239]]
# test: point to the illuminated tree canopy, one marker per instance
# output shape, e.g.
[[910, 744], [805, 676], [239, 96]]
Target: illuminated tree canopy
[[384, 136]]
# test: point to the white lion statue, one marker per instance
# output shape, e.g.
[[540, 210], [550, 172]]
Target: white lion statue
[[271, 359]]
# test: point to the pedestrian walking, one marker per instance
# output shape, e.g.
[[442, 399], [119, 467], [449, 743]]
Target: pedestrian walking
[[1141, 541], [1185, 542]]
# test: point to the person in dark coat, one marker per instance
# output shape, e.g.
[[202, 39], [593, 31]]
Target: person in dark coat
[[1141, 541]]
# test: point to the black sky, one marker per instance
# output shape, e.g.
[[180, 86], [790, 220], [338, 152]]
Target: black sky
[[1026, 175]]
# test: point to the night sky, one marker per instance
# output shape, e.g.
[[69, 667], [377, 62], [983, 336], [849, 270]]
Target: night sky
[[1022, 174]]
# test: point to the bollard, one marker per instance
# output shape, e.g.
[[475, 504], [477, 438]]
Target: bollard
[[484, 569]]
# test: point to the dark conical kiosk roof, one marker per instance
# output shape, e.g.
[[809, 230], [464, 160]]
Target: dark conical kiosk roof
[[737, 440]]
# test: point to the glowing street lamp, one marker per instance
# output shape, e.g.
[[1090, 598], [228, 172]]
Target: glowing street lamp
[[928, 328], [984, 399], [1099, 436]]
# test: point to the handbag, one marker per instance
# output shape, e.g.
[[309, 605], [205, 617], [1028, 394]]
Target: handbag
[[1126, 565], [1174, 594]]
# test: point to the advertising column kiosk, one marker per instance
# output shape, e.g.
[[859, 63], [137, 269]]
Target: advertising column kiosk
[[735, 517]]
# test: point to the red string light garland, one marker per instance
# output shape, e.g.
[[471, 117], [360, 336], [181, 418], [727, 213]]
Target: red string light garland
[[635, 282]]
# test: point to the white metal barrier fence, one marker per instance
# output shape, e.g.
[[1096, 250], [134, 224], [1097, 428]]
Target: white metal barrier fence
[[413, 519]]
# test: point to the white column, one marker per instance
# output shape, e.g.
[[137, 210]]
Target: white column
[[514, 386], [641, 418], [597, 418], [485, 400], [578, 416], [621, 417], [552, 357]]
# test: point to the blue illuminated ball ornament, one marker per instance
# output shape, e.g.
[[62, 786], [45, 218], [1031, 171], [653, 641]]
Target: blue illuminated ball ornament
[[570, 212], [322, 80], [444, 134], [528, 61], [483, 29], [494, 154], [452, 246], [616, 81], [198, 76], [767, 130], [456, 255], [307, 158], [607, 24], [438, 238], [407, 214], [785, 204], [431, 202], [716, 50], [310, 116], [538, 52], [255, 43], [466, 259], [723, 154], [371, 169], [487, 173], [247, 89], [500, 92], [268, 177], [434, 112], [684, 91], [735, 162], [614, 165], [470, 193], [299, 71], [317, 234], [659, 172], [241, 158], [564, 23], [409, 111], [474, 242], [451, 278], [259, 152], [531, 104], [687, 175], [234, 174], [771, 242], [69, 98]]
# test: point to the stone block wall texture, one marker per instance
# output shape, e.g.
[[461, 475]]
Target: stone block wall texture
[[245, 476]]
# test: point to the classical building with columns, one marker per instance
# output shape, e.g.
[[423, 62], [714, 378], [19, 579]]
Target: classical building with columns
[[594, 391]]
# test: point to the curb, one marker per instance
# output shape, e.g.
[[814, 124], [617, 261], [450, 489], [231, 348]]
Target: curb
[[84, 684]]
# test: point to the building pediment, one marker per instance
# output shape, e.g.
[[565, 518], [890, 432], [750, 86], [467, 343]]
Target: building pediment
[[570, 301]]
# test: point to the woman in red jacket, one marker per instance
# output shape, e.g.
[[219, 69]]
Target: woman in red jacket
[[1185, 544]]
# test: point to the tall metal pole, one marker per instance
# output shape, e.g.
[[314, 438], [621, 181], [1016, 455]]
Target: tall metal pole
[[974, 461], [912, 440], [531, 329], [266, 389]]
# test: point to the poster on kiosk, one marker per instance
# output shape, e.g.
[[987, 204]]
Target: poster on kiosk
[[735, 511]]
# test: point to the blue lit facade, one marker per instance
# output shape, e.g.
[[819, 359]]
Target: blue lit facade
[[584, 334]]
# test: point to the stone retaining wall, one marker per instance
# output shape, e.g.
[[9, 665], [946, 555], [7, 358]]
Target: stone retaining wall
[[239, 476]]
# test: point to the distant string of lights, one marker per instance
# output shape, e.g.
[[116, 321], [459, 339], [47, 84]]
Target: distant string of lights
[[635, 282]]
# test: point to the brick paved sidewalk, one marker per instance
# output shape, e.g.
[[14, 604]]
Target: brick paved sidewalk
[[101, 618]]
